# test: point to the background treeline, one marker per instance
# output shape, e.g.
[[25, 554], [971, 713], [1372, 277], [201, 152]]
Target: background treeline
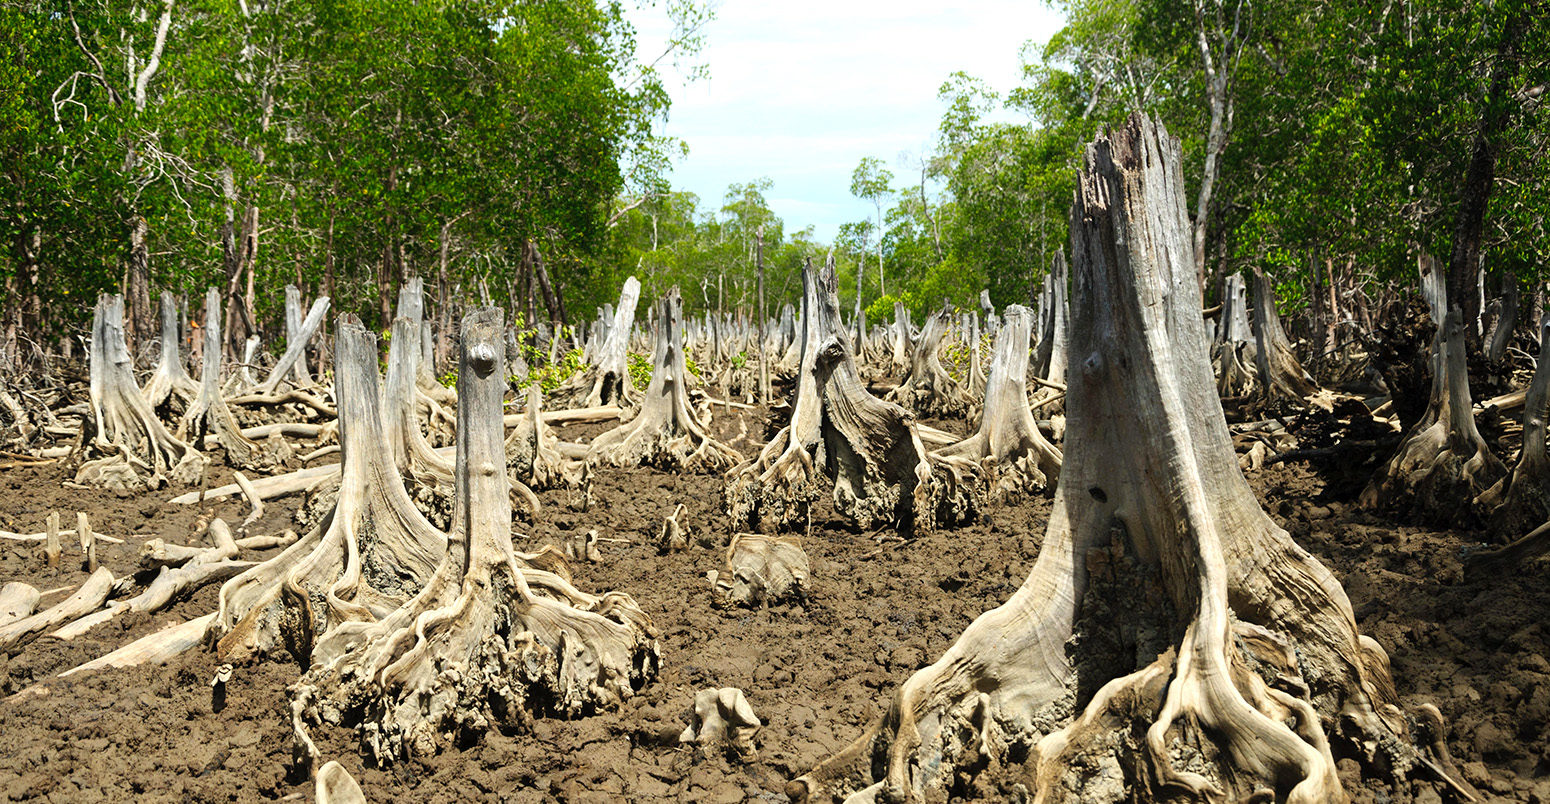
[[1325, 142], [338, 144], [508, 150]]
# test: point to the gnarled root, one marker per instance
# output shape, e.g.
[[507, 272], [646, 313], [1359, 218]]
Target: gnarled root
[[467, 654]]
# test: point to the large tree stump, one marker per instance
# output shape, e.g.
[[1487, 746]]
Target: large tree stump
[[1171, 642], [1442, 464], [666, 432], [866, 449], [607, 380], [1008, 440], [491, 639], [1520, 501], [1281, 376], [370, 553], [133, 450], [928, 389]]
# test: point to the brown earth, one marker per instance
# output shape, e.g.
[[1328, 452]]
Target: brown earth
[[815, 675]]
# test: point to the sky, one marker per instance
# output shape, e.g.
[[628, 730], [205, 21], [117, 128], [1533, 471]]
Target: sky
[[800, 90]]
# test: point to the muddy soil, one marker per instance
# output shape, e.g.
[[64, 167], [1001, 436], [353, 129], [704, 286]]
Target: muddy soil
[[814, 674]]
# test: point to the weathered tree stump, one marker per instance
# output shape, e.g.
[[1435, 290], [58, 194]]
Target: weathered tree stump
[[1233, 352], [1521, 500], [123, 446], [866, 449], [371, 552], [169, 379], [1442, 464], [209, 413], [666, 432], [1171, 642], [491, 638], [607, 380], [928, 389], [1008, 440], [1281, 375]]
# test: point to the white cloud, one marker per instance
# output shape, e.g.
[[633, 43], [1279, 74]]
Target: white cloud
[[801, 90]]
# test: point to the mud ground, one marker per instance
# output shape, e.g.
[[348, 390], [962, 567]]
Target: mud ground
[[814, 674]]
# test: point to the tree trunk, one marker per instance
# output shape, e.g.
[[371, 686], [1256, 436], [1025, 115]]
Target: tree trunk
[[1479, 178], [138, 288], [1506, 320], [526, 641], [1170, 640]]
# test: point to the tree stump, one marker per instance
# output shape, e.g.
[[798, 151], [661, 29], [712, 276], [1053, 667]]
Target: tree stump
[[1442, 464], [491, 638], [1008, 440], [666, 432], [1170, 642], [928, 389], [134, 450]]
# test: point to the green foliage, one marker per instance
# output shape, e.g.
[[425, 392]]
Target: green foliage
[[367, 136], [550, 376], [640, 370]]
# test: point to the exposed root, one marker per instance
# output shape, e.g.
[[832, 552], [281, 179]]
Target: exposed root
[[491, 639]]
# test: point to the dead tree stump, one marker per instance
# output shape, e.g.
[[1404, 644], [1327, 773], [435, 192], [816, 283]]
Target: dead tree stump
[[666, 432], [1442, 464], [1520, 501], [371, 552], [928, 389], [1171, 642], [169, 379], [866, 450], [1281, 375], [123, 445], [1008, 441], [607, 380], [491, 639]]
